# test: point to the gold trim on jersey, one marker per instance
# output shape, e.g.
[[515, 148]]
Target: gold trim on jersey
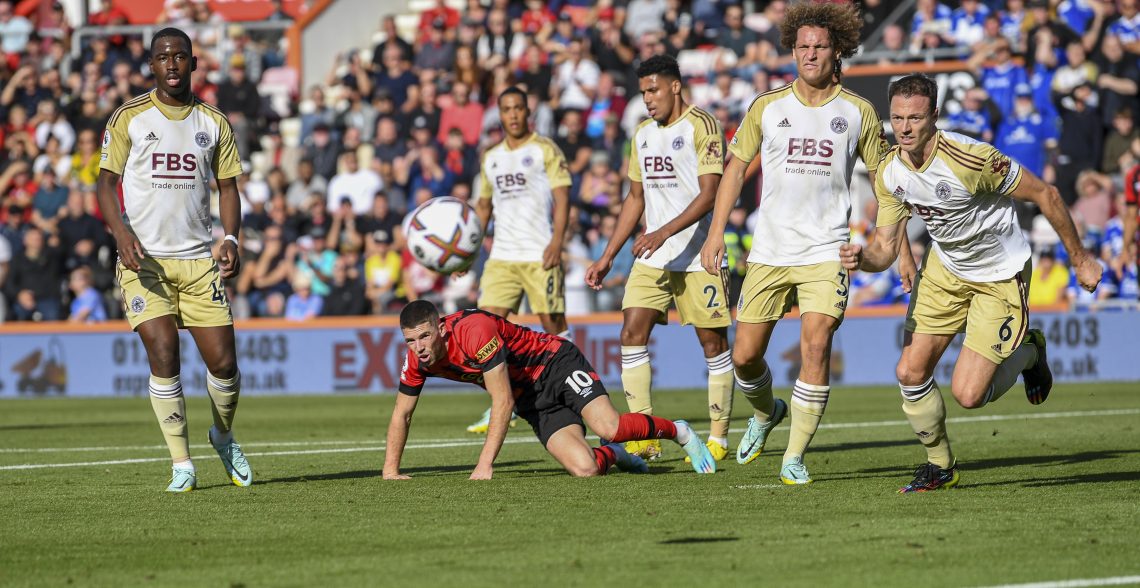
[[964, 159], [136, 102], [826, 101]]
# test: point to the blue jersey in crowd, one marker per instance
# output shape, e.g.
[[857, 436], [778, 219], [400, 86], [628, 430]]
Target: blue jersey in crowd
[[969, 122], [1011, 26], [967, 28], [941, 12], [1023, 139], [1042, 83], [1076, 14], [1128, 29], [1000, 81]]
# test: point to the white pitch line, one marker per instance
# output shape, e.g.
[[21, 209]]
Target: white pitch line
[[1115, 581], [448, 443]]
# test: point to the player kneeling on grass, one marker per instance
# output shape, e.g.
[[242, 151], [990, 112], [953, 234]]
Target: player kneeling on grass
[[542, 377], [977, 278]]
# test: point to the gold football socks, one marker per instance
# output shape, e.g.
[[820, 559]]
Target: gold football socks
[[927, 415], [637, 378], [170, 409]]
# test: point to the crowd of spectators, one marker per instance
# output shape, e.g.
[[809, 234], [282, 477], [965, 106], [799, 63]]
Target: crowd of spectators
[[332, 171]]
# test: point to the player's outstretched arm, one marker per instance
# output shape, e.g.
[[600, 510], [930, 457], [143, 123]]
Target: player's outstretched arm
[[107, 194], [877, 256], [552, 255], [1048, 199], [727, 192], [646, 244], [498, 385], [229, 205], [631, 210], [398, 435]]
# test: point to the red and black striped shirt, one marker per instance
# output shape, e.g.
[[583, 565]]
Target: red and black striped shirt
[[478, 341]]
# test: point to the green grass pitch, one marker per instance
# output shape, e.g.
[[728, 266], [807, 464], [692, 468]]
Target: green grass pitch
[[1048, 493]]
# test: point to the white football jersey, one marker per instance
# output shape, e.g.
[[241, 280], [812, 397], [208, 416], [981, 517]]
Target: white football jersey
[[807, 157], [519, 183], [166, 156], [667, 160], [962, 192]]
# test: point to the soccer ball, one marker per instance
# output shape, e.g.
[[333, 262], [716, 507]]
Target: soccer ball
[[444, 234]]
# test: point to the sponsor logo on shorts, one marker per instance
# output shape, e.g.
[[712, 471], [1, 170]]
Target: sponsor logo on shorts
[[996, 347], [485, 352], [841, 305], [202, 139], [138, 304], [716, 314], [839, 125]]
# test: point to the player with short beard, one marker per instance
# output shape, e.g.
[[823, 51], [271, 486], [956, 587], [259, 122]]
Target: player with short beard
[[977, 278], [807, 135], [676, 158], [525, 183], [166, 146]]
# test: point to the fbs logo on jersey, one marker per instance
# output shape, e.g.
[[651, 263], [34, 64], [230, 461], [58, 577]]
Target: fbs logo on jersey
[[485, 352], [784, 124]]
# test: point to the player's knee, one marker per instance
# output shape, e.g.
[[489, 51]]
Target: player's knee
[[606, 429], [224, 368], [909, 375], [631, 338], [743, 357], [163, 357], [583, 469], [969, 396]]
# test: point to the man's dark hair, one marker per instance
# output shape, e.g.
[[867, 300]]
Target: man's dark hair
[[513, 90], [659, 65], [417, 313], [171, 32], [915, 84]]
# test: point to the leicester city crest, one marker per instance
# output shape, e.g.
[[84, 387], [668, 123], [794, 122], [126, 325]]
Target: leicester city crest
[[942, 190], [527, 161], [202, 139], [138, 304], [678, 143], [839, 125]]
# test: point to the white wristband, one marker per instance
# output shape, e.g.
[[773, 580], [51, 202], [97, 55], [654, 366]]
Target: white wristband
[[232, 238]]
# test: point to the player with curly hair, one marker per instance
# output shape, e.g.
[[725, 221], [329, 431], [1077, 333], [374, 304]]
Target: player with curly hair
[[807, 135]]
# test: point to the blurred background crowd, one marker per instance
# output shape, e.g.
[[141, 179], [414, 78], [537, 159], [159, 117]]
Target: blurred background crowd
[[332, 168]]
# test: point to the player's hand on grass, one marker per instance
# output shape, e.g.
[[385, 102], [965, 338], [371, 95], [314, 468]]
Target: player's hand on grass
[[130, 250], [552, 255], [1089, 273], [596, 273], [645, 245], [851, 255], [229, 261], [711, 255], [482, 473]]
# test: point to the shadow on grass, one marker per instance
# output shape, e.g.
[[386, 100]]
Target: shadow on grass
[[426, 471], [1101, 478], [1032, 461], [692, 540]]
